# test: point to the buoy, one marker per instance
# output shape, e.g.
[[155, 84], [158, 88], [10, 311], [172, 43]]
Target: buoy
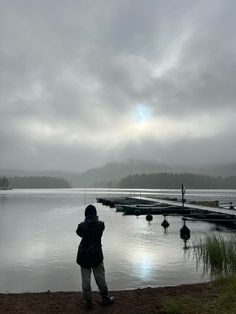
[[231, 205], [149, 217], [165, 224], [137, 212], [185, 231]]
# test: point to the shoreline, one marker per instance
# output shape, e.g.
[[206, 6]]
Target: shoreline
[[145, 300]]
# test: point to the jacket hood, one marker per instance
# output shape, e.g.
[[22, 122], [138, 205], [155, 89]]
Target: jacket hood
[[90, 211]]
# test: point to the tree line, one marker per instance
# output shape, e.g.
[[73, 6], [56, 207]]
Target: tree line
[[174, 180], [34, 182], [4, 182]]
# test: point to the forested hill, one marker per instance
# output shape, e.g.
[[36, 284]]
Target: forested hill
[[174, 180], [38, 182]]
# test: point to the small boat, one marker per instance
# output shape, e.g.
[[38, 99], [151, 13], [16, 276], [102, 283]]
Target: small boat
[[154, 210], [111, 201], [120, 207]]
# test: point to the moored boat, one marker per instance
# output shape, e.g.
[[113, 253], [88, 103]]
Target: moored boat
[[120, 207], [145, 210]]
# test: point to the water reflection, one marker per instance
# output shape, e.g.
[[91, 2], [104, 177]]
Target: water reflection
[[143, 262]]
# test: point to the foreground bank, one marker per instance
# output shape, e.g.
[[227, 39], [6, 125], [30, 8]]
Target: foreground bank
[[213, 297]]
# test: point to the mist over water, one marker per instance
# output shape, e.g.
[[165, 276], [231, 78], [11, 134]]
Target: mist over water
[[38, 242]]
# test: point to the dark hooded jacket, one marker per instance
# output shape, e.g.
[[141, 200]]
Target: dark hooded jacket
[[90, 248]]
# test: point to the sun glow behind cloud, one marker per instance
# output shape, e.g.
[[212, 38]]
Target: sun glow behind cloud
[[138, 128], [141, 114]]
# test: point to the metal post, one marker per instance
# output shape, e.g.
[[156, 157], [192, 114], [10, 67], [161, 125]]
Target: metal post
[[183, 193]]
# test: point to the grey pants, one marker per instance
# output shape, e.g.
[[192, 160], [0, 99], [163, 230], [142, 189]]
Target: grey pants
[[99, 275]]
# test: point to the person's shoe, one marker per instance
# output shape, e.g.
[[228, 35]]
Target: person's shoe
[[106, 300], [88, 303]]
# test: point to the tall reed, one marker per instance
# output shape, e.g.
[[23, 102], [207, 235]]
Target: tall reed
[[217, 254]]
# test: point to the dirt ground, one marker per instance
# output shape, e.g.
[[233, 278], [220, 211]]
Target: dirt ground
[[144, 301]]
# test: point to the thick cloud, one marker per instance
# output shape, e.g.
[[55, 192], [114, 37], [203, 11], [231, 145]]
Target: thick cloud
[[86, 82]]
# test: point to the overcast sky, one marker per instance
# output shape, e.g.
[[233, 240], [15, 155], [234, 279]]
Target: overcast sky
[[86, 82]]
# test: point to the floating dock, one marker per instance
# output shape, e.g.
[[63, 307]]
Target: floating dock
[[210, 214]]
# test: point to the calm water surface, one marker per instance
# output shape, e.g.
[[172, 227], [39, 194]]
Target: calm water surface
[[38, 243]]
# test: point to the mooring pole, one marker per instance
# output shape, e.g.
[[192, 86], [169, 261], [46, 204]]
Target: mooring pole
[[183, 194]]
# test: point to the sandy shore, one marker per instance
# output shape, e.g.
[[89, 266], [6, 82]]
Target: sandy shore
[[144, 301]]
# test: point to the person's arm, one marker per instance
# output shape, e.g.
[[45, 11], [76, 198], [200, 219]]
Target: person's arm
[[102, 228], [79, 231]]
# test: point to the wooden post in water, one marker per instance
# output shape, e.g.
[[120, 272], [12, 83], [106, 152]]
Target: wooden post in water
[[183, 194]]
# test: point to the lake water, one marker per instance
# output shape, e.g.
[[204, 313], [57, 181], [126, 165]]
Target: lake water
[[38, 243]]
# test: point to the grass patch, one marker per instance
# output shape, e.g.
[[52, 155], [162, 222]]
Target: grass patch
[[218, 298], [217, 254], [179, 305], [227, 295]]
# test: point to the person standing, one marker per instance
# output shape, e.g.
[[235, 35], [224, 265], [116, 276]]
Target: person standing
[[90, 256]]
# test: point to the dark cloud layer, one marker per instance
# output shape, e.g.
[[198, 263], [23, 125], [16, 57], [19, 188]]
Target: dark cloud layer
[[86, 82]]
